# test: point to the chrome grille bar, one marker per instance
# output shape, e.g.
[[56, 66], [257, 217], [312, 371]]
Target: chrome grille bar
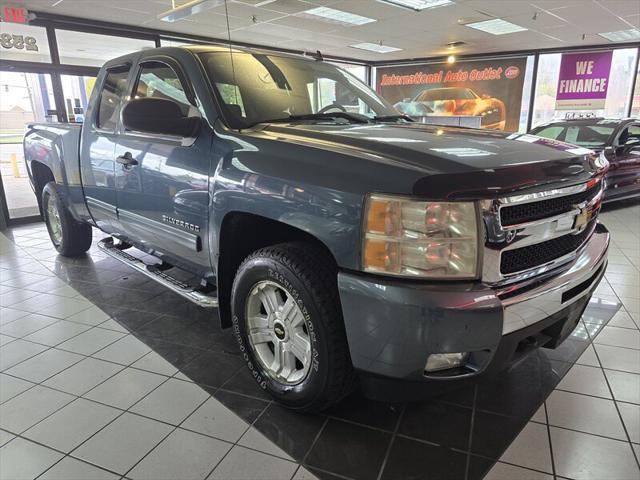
[[500, 239]]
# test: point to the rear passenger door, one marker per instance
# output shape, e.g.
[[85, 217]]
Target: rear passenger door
[[99, 138], [163, 196]]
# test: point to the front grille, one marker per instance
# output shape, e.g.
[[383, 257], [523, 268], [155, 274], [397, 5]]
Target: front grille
[[529, 212], [532, 256]]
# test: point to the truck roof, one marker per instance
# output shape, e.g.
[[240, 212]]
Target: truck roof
[[195, 49]]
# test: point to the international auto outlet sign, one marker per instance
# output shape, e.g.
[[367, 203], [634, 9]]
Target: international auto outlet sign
[[583, 81]]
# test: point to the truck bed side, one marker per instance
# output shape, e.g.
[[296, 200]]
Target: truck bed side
[[51, 152]]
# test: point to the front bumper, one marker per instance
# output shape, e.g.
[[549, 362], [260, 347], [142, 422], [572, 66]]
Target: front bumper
[[394, 325]]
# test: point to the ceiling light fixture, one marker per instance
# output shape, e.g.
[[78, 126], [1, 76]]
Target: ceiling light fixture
[[452, 45], [418, 5], [451, 59], [375, 47], [497, 26], [332, 15], [622, 35], [188, 9]]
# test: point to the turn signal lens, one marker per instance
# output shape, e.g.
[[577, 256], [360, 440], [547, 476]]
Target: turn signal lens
[[437, 240]]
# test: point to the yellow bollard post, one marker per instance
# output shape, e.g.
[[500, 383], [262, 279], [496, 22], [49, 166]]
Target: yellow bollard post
[[14, 165]]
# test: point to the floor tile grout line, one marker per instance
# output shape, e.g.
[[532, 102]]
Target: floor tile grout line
[[358, 424], [121, 410], [611, 399], [170, 433], [624, 426], [548, 428], [90, 327], [55, 347], [231, 392], [334, 474], [387, 453], [64, 455], [313, 443], [235, 392], [74, 458], [471, 428], [234, 444]]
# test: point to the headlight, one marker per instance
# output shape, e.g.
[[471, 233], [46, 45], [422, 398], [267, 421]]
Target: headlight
[[407, 238]]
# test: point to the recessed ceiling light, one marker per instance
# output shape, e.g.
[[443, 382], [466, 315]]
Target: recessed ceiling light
[[188, 9], [497, 26], [622, 35], [418, 5], [332, 15], [375, 47]]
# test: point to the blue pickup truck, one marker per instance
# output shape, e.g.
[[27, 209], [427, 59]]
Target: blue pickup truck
[[342, 242]]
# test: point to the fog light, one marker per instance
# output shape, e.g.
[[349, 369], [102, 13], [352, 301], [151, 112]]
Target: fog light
[[443, 361]]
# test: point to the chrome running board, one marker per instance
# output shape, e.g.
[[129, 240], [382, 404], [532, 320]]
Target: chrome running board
[[109, 247]]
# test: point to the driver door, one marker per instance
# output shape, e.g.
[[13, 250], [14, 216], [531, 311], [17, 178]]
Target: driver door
[[162, 184]]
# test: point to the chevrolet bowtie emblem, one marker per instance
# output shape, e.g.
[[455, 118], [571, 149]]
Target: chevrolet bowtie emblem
[[585, 215]]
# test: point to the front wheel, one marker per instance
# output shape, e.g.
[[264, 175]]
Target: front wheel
[[288, 323], [69, 237]]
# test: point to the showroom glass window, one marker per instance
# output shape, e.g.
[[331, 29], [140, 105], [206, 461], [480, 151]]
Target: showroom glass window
[[635, 109], [111, 95], [158, 80], [23, 43], [91, 49], [618, 92], [358, 71]]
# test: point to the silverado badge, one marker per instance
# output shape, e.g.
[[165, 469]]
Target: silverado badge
[[180, 223]]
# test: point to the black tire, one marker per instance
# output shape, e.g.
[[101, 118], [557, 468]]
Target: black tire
[[75, 237], [305, 272]]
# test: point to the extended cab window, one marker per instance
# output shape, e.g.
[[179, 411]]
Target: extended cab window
[[158, 80], [113, 89]]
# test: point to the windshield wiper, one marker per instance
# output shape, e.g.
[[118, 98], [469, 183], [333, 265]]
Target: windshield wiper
[[353, 117], [391, 118]]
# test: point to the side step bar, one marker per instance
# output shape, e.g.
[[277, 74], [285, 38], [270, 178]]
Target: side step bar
[[108, 246]]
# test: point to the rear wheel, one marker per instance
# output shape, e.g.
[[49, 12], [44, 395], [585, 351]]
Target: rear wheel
[[288, 322], [69, 237]]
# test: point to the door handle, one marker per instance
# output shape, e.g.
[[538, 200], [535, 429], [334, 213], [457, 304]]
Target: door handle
[[126, 160]]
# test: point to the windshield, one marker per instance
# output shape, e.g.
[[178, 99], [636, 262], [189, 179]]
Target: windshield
[[262, 87], [446, 94], [589, 136]]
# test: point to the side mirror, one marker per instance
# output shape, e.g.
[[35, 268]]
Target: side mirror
[[158, 116]]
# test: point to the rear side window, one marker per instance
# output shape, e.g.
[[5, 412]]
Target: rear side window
[[111, 95], [158, 80]]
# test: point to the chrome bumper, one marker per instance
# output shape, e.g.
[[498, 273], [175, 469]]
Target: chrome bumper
[[542, 299]]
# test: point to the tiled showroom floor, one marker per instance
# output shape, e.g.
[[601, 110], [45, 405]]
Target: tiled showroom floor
[[104, 374]]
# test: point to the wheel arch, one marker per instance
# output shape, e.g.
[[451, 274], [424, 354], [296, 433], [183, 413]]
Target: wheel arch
[[42, 174], [239, 237]]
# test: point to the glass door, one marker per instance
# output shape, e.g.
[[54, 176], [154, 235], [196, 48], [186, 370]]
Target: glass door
[[76, 90], [24, 97]]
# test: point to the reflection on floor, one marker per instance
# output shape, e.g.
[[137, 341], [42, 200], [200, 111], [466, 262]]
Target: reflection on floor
[[105, 375]]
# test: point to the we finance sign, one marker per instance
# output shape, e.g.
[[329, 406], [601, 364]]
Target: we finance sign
[[583, 82]]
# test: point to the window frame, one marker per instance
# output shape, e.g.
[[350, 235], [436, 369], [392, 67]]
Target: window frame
[[96, 114], [186, 86], [615, 143]]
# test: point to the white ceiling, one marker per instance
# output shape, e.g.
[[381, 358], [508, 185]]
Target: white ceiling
[[558, 23]]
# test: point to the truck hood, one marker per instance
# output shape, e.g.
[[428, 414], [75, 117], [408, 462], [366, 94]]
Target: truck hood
[[475, 161]]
